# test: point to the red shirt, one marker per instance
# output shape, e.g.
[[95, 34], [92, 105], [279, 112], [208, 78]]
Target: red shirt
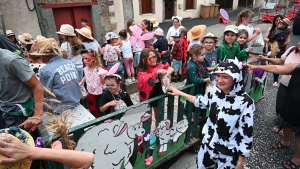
[[177, 51], [185, 47]]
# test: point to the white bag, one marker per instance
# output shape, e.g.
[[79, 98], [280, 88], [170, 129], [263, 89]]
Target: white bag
[[209, 86]]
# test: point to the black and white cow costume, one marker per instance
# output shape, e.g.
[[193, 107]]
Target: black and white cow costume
[[228, 131]]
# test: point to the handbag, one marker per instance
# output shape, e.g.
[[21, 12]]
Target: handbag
[[120, 104]]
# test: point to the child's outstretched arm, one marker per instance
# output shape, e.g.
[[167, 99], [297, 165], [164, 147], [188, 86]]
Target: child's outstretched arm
[[175, 92]]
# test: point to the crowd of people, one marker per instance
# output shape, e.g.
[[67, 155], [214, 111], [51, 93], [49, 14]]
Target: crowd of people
[[143, 54]]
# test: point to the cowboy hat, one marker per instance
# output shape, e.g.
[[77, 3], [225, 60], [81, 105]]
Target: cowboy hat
[[196, 32], [66, 29], [154, 22], [46, 46], [24, 137], [9, 33], [209, 35], [85, 32], [25, 38], [159, 32], [286, 21]]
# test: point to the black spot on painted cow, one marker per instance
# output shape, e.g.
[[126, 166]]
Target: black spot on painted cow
[[231, 112], [142, 94], [36, 70], [223, 129], [247, 130], [151, 82]]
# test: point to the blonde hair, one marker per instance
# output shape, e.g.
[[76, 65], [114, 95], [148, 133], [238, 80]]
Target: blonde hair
[[274, 49], [75, 43], [93, 54], [244, 13]]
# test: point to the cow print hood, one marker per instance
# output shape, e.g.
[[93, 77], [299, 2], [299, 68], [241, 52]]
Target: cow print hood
[[233, 68]]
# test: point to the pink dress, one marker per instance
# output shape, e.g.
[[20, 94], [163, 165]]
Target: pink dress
[[93, 83]]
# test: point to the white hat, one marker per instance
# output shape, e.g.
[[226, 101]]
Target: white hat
[[232, 28], [154, 22], [9, 33], [111, 35], [66, 29], [209, 35], [25, 38], [159, 32], [85, 32]]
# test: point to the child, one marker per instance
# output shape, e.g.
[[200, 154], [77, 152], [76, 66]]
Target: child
[[209, 42], [230, 48], [147, 26], [127, 55], [185, 43], [112, 53], [36, 64], [114, 98], [242, 37], [177, 53], [94, 82], [151, 75], [196, 72], [162, 45], [243, 22], [194, 35]]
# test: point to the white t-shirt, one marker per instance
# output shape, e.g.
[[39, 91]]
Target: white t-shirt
[[77, 60], [172, 30], [250, 31], [193, 42], [126, 49], [91, 45]]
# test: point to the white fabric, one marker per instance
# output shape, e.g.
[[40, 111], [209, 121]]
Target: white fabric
[[291, 58], [193, 42], [126, 49], [172, 30], [77, 60], [250, 31], [92, 45]]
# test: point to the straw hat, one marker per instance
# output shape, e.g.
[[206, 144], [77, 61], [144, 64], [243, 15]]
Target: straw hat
[[9, 33], [24, 137], [159, 32], [25, 38], [66, 29], [286, 22], [196, 32], [85, 32], [154, 22], [46, 46]]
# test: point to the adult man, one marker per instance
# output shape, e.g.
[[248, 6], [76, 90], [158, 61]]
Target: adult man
[[21, 93]]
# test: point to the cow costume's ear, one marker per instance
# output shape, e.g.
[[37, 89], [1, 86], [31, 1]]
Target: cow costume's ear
[[238, 63]]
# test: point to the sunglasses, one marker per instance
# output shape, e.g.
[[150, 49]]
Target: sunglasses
[[153, 58]]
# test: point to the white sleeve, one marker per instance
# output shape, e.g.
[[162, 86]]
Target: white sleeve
[[169, 33], [202, 101], [64, 45]]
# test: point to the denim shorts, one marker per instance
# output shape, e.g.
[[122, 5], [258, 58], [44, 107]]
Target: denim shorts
[[177, 65]]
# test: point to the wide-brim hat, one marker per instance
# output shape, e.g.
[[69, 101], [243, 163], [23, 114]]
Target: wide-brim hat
[[209, 35], [25, 38], [24, 137], [46, 46], [67, 30], [196, 32], [159, 32], [154, 22], [85, 32], [9, 33], [286, 22]]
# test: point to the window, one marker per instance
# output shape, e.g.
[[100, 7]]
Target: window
[[190, 4], [146, 6]]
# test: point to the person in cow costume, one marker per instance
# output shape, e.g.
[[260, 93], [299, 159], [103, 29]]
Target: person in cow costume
[[227, 134]]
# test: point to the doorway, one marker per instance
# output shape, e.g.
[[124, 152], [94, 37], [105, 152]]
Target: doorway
[[225, 4], [169, 9], [245, 4]]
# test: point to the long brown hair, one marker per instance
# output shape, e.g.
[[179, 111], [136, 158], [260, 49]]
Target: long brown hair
[[84, 39], [143, 66], [93, 54], [244, 13], [75, 43]]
